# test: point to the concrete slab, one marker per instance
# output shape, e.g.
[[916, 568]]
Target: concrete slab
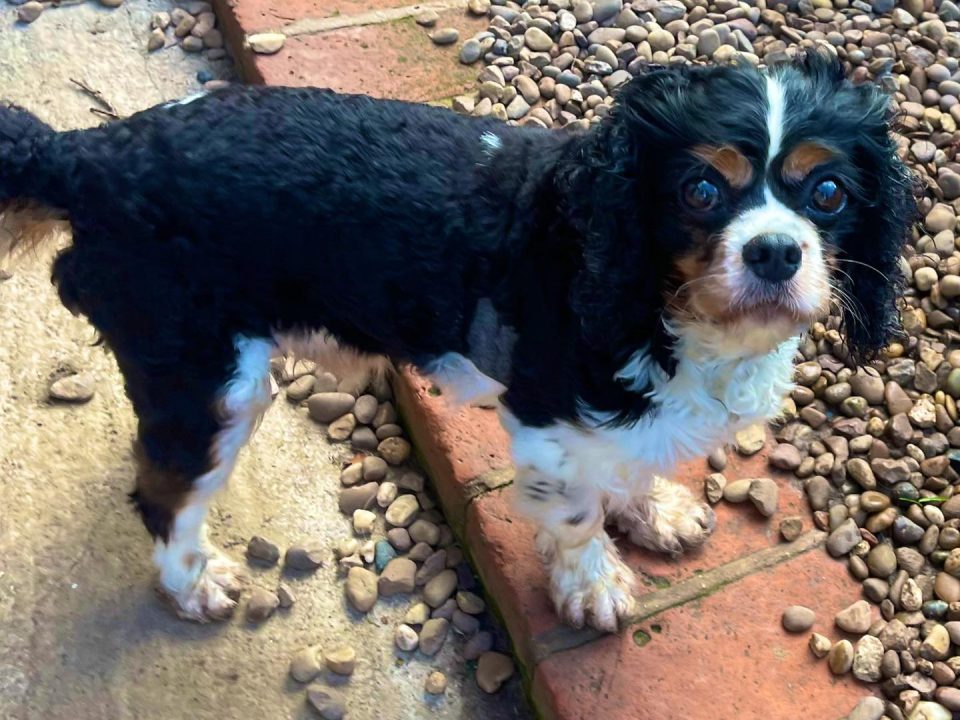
[[82, 635]]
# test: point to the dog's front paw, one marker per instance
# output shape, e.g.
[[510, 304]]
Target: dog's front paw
[[591, 585], [211, 594], [669, 519]]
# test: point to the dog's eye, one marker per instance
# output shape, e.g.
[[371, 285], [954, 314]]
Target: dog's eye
[[701, 194], [828, 197]]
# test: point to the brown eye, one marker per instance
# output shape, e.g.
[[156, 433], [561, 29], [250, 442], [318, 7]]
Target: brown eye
[[701, 194], [828, 197]]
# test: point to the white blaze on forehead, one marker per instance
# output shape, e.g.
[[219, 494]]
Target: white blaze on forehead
[[776, 108]]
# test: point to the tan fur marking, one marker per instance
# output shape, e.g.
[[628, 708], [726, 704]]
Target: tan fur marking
[[728, 161], [25, 225], [803, 159]]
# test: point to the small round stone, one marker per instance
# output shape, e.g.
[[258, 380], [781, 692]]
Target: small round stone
[[305, 664], [797, 619], [77, 388], [493, 669], [436, 683], [341, 660], [406, 638]]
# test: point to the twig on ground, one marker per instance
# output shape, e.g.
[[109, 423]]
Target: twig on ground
[[108, 110]]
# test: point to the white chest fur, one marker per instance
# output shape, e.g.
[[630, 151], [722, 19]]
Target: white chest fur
[[710, 396]]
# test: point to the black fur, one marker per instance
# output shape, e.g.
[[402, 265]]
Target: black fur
[[261, 209]]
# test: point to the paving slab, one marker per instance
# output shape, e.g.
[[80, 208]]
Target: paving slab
[[724, 656], [394, 59]]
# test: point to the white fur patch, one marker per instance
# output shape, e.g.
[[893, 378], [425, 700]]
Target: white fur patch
[[459, 378], [710, 396], [195, 575], [776, 110], [187, 100]]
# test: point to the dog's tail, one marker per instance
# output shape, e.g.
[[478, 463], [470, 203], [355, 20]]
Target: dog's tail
[[27, 217]]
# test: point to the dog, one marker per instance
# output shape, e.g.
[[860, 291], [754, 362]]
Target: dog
[[633, 293]]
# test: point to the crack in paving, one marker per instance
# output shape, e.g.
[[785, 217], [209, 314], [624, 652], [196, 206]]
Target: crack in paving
[[315, 26], [563, 638]]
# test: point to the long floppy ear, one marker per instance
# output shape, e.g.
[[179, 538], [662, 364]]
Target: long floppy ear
[[873, 282]]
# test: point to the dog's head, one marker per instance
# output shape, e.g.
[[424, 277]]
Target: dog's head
[[763, 195]]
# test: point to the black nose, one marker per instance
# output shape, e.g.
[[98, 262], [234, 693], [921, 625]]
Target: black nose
[[774, 258]]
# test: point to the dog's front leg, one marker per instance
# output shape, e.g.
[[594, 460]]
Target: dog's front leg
[[664, 516], [589, 582]]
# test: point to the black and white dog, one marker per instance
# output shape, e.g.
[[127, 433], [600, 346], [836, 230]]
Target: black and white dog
[[637, 290]]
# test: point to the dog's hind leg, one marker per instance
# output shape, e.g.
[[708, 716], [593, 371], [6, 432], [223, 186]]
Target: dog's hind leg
[[192, 427]]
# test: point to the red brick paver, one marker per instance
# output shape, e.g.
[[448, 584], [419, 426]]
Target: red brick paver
[[721, 658], [716, 650]]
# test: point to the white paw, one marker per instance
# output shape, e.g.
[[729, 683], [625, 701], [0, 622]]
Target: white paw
[[669, 519], [590, 585], [208, 591]]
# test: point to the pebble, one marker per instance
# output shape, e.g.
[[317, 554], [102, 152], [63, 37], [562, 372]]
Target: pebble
[[329, 703], [395, 450], [840, 657], [262, 552], [364, 521], [764, 494], [266, 43], [819, 645], [77, 388], [867, 656], [433, 634], [750, 440], [402, 511], [477, 645], [737, 491], [470, 603], [397, 577], [285, 595], [844, 538], [418, 614], [869, 708], [439, 589], [493, 669], [305, 664], [925, 710], [717, 460], [426, 18], [361, 589], [882, 560], [797, 619], [306, 555], [341, 660], [714, 486], [436, 683], [856, 618], [791, 528], [262, 604], [405, 638], [360, 497], [445, 36], [326, 407], [29, 11]]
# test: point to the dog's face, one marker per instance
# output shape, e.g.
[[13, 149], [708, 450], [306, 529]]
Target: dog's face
[[775, 192]]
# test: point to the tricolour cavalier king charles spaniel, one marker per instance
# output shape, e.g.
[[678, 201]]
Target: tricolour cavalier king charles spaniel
[[632, 294]]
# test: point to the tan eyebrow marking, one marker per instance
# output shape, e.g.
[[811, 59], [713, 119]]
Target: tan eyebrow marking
[[803, 159], [728, 161]]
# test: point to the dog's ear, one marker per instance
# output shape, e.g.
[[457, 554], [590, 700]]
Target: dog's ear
[[870, 257]]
